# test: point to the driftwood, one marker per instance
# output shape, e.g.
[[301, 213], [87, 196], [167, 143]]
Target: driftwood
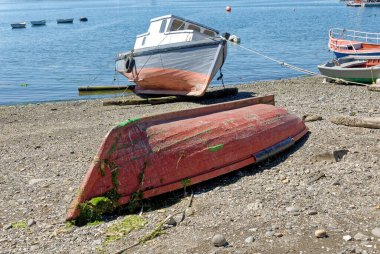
[[104, 88], [157, 100], [170, 99], [373, 123], [311, 118]]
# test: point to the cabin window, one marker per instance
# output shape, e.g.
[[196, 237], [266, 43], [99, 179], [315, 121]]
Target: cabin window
[[195, 28], [143, 41], [177, 25], [163, 25], [209, 32]]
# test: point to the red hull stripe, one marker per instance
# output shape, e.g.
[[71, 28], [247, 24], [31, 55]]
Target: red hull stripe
[[169, 81]]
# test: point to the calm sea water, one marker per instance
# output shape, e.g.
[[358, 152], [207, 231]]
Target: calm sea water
[[55, 59]]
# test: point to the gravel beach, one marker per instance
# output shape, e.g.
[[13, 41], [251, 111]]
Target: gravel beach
[[321, 196]]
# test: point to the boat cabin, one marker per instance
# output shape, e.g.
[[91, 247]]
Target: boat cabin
[[173, 29]]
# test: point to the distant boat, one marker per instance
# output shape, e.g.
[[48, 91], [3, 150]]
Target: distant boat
[[354, 4], [38, 22], [361, 69], [83, 19], [350, 42], [176, 56], [64, 21], [364, 3], [19, 25]]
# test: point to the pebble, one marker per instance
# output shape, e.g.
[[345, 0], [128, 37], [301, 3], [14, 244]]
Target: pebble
[[219, 240], [361, 237], [292, 209], [7, 226], [347, 238], [278, 235], [269, 233], [312, 212], [249, 239], [31, 222], [320, 233], [252, 229], [376, 232], [37, 180], [33, 247], [190, 211], [97, 242], [171, 221]]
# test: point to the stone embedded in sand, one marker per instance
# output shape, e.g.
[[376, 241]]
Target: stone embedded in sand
[[171, 221], [361, 237], [31, 222], [320, 233], [219, 240], [376, 232], [292, 209], [249, 239], [347, 238]]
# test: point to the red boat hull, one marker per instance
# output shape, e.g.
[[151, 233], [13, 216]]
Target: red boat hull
[[158, 154]]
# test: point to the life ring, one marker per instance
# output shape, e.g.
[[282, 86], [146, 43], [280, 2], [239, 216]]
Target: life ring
[[129, 64]]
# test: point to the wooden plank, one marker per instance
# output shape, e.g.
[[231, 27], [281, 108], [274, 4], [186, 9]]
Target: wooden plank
[[170, 99], [373, 123]]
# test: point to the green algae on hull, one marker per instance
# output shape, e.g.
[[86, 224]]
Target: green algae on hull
[[129, 121], [92, 210], [215, 148]]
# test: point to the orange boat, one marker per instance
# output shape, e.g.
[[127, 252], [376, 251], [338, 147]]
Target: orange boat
[[344, 42], [145, 157]]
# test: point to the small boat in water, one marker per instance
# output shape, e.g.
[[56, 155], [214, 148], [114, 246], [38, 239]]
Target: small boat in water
[[355, 3], [83, 19], [345, 42], [64, 21], [364, 3], [144, 157], [360, 69], [38, 22], [176, 56], [19, 25]]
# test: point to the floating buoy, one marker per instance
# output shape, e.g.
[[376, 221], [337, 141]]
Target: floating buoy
[[234, 38], [228, 8]]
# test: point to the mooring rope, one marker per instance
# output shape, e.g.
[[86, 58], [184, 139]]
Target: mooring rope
[[282, 63]]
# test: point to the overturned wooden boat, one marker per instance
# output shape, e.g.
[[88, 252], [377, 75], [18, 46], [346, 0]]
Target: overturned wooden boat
[[361, 69], [344, 42], [145, 157], [175, 57]]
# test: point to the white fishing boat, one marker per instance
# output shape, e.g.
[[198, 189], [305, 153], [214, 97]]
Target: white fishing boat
[[176, 56], [38, 22], [63, 21], [361, 69], [18, 25]]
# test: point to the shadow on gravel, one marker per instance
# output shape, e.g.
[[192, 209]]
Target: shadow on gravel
[[171, 198], [238, 96]]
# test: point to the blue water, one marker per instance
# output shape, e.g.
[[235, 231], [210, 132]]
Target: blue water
[[55, 59]]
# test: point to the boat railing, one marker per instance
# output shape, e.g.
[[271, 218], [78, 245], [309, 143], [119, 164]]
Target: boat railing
[[338, 34]]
